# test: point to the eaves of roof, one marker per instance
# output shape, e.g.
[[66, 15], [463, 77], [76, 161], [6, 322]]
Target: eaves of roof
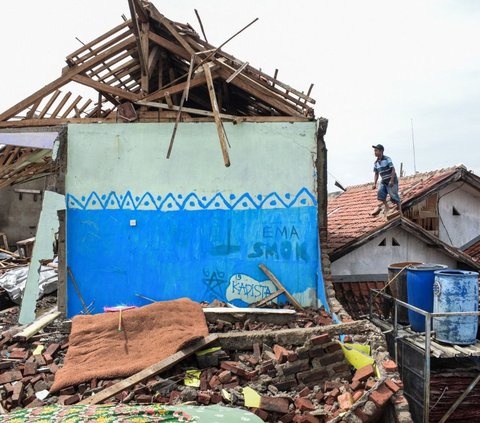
[[414, 230]]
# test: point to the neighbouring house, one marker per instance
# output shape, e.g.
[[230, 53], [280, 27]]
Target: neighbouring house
[[441, 220]]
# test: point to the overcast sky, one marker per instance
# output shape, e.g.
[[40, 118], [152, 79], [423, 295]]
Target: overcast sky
[[376, 66]]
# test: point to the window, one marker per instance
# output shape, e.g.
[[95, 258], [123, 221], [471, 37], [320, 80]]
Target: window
[[395, 243], [455, 212], [383, 242]]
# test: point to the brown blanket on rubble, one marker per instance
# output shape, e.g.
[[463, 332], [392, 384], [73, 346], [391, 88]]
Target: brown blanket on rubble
[[97, 349]]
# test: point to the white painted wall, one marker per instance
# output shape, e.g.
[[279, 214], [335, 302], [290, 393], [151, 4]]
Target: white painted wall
[[370, 258], [459, 230]]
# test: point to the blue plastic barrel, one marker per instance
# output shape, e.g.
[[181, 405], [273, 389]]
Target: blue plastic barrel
[[455, 291], [420, 281]]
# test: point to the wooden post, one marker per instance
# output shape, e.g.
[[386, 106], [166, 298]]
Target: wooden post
[[216, 114]]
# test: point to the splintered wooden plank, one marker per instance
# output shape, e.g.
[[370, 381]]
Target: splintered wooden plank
[[82, 108], [51, 100], [64, 79], [168, 45], [72, 106], [60, 105], [25, 123], [95, 51], [98, 40], [216, 112], [167, 24], [149, 372], [279, 285], [178, 88], [101, 87], [33, 109], [260, 74], [256, 90], [266, 300]]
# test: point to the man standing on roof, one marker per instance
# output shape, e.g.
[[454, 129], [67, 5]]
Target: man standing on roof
[[384, 168]]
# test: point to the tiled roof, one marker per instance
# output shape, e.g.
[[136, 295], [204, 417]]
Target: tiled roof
[[354, 297], [474, 251], [349, 214]]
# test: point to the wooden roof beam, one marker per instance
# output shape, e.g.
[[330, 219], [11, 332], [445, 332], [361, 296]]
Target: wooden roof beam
[[105, 88], [65, 78]]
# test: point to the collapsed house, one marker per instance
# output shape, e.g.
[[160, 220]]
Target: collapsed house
[[177, 181]]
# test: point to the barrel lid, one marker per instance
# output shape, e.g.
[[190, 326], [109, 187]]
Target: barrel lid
[[455, 273], [428, 267], [395, 266]]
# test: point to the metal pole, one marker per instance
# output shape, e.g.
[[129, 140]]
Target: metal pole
[[459, 400], [426, 370], [370, 303], [395, 331]]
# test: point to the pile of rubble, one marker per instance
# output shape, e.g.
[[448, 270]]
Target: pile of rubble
[[308, 383]]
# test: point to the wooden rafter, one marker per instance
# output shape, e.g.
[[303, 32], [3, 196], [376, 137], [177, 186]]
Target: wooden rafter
[[150, 58]]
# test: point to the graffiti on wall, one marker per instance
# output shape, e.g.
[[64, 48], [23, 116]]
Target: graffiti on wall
[[214, 247]]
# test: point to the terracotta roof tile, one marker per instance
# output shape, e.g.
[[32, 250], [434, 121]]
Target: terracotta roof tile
[[474, 251], [349, 214]]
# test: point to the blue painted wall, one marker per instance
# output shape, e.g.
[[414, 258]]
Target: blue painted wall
[[205, 243]]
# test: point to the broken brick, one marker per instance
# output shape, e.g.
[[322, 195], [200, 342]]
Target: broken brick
[[381, 395], [312, 376], [214, 382], [392, 385], [345, 401], [320, 339], [304, 404], [305, 392], [364, 373], [357, 395], [52, 349], [260, 413], [216, 398], [275, 404], [225, 376], [203, 397], [67, 391], [332, 358], [73, 399], [287, 418], [356, 384], [390, 366], [30, 369], [256, 350], [295, 367], [10, 377], [281, 353], [19, 354], [48, 358], [17, 394]]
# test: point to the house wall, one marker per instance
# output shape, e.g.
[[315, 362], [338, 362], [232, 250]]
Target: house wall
[[372, 259], [459, 230], [138, 223], [19, 214]]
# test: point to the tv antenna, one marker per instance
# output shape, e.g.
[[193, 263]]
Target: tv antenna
[[413, 145]]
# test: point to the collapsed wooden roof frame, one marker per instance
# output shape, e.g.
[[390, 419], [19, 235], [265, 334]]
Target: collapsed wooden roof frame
[[150, 61]]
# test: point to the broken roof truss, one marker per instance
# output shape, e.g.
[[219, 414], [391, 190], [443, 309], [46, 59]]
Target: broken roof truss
[[167, 72]]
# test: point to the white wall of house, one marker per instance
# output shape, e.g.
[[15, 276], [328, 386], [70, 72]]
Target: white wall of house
[[371, 258], [457, 230]]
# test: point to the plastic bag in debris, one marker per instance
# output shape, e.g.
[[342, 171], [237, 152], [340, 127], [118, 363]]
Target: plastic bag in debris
[[14, 282]]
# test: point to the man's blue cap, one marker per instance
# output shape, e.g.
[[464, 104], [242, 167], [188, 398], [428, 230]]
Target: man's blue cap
[[378, 147]]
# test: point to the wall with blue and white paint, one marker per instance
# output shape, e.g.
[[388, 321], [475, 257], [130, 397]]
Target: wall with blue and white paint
[[138, 223]]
